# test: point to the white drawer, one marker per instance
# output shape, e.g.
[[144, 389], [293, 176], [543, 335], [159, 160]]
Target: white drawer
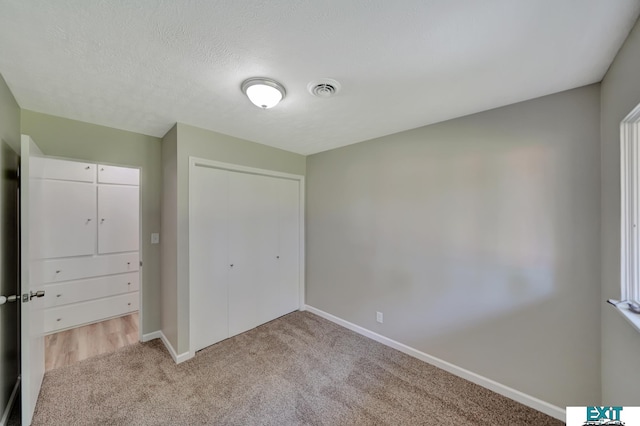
[[87, 312], [118, 175], [88, 289], [52, 168], [75, 268]]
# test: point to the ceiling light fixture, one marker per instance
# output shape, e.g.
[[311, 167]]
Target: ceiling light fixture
[[263, 92]]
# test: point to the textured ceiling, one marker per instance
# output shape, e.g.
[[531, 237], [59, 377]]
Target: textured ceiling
[[144, 65]]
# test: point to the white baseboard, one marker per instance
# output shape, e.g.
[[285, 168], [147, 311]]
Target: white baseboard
[[10, 403], [177, 358], [516, 395], [151, 336]]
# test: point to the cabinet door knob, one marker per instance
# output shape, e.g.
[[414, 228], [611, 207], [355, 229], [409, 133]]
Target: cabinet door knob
[[58, 271], [277, 257], [58, 295], [129, 303], [231, 265], [128, 283], [87, 168], [59, 319], [101, 220]]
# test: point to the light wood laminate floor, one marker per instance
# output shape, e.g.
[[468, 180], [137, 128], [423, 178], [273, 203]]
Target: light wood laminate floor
[[71, 346]]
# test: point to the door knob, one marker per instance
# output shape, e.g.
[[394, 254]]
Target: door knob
[[36, 294], [5, 299]]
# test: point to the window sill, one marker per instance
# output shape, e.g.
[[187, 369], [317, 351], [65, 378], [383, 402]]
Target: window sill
[[632, 318]]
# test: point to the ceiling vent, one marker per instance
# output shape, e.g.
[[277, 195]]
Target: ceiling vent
[[324, 88]]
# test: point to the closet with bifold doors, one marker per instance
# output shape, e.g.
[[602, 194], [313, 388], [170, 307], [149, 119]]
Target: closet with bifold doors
[[245, 247]]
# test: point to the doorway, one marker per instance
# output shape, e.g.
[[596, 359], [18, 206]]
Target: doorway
[[68, 347], [9, 281]]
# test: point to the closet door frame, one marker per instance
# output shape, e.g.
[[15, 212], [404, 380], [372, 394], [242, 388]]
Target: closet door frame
[[203, 162]]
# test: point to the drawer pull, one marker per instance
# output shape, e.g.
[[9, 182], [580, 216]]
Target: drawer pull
[[87, 168], [59, 319], [128, 283], [58, 295], [129, 303], [58, 271]]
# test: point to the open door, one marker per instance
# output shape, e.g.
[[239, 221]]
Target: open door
[[32, 320]]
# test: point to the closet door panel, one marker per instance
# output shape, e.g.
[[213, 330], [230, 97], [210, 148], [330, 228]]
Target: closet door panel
[[208, 257], [53, 168], [118, 219], [118, 175], [68, 226], [266, 240], [243, 252], [289, 245]]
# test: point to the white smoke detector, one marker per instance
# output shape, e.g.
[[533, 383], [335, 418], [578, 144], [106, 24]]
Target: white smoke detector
[[324, 87]]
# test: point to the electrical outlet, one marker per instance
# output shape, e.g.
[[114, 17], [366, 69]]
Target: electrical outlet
[[379, 317], [155, 238]]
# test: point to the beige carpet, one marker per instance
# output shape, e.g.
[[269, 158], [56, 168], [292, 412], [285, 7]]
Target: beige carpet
[[297, 370]]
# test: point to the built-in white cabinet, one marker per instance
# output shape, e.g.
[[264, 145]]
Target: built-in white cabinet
[[87, 243], [66, 170], [68, 227], [118, 175], [244, 251], [118, 210]]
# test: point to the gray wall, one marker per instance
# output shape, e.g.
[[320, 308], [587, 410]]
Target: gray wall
[[196, 142], [9, 319], [169, 233], [620, 342], [62, 137], [478, 238]]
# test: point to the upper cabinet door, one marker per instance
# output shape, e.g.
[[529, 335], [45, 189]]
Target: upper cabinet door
[[68, 219], [118, 175], [118, 219], [52, 168]]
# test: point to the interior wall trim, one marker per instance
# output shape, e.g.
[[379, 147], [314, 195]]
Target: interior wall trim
[[177, 358], [516, 395], [151, 336], [12, 399]]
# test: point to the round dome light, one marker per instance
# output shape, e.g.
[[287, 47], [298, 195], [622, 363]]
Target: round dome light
[[263, 92]]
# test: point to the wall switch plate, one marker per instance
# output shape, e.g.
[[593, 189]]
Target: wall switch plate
[[379, 317], [155, 238]]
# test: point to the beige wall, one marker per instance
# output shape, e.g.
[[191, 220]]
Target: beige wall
[[66, 138], [478, 239], [196, 142], [9, 117], [169, 227], [9, 314], [620, 342]]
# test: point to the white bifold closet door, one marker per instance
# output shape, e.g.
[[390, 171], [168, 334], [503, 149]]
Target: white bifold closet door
[[245, 242], [208, 255], [253, 251], [289, 245]]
